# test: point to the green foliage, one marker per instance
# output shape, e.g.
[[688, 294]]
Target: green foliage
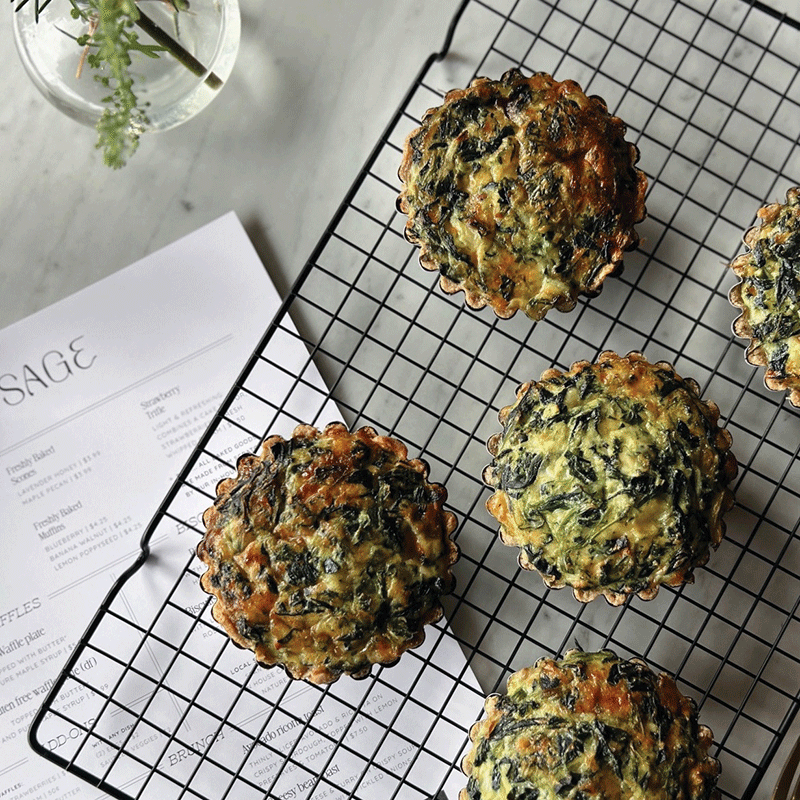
[[109, 44]]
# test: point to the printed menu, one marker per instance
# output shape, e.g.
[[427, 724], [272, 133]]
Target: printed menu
[[102, 398]]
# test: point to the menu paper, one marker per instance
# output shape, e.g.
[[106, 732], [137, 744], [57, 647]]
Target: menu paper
[[102, 398]]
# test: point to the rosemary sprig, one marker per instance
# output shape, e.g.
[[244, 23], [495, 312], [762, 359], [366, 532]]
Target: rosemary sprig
[[111, 40], [107, 47]]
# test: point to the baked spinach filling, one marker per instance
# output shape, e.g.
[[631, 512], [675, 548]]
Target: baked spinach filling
[[493, 166], [603, 489], [625, 741], [771, 283], [357, 563]]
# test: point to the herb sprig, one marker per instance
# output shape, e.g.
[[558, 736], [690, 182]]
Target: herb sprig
[[108, 45]]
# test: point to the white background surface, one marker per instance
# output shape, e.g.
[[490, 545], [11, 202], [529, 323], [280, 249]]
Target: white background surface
[[315, 84]]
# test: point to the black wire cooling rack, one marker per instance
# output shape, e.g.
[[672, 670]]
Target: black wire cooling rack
[[155, 702]]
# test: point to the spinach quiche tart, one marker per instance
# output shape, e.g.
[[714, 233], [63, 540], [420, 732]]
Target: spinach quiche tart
[[769, 295], [522, 192], [611, 478], [590, 726], [328, 552]]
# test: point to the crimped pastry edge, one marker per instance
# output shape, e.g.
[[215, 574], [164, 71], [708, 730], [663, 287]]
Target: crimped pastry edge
[[755, 354], [319, 674], [625, 240], [705, 735], [717, 525]]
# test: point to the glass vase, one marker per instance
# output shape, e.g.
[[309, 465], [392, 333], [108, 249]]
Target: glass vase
[[195, 45]]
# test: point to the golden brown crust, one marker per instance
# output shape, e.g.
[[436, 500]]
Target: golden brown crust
[[328, 552], [767, 295], [593, 726], [522, 193], [611, 478]]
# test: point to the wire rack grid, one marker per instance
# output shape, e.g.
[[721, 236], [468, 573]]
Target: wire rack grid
[[156, 702]]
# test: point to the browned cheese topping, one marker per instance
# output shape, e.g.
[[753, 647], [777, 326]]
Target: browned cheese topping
[[522, 192], [328, 553], [769, 294], [590, 727], [611, 478]]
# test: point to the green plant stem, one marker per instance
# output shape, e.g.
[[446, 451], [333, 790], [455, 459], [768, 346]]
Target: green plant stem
[[177, 50]]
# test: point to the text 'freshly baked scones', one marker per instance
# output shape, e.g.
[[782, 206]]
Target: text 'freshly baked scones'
[[611, 478], [522, 192], [329, 552]]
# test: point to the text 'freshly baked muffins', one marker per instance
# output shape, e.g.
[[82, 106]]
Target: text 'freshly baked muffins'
[[611, 478], [522, 192], [768, 295], [329, 552], [590, 726]]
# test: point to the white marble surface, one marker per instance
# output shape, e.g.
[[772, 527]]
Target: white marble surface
[[315, 84]]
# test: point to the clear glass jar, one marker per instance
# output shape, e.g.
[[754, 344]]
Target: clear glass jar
[[205, 35]]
